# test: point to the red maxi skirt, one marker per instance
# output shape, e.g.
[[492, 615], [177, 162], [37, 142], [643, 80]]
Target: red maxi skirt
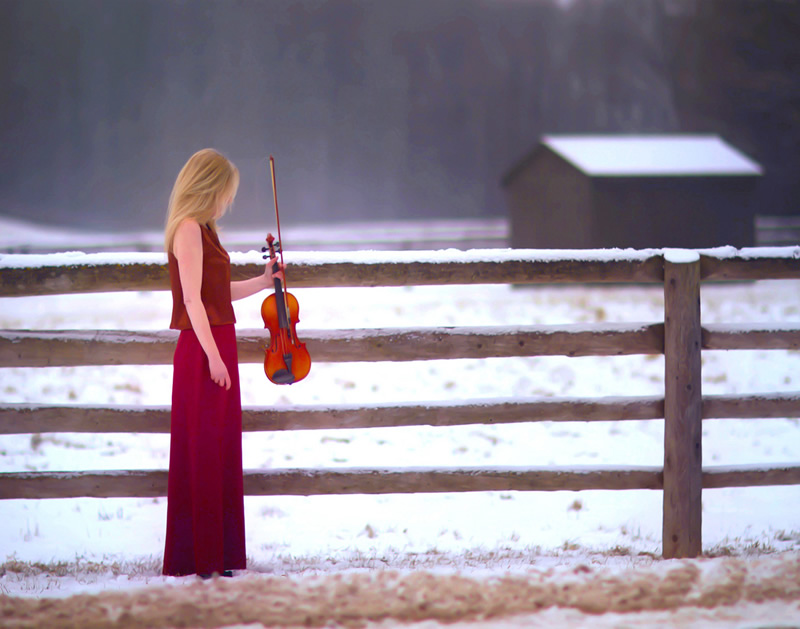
[[205, 500]]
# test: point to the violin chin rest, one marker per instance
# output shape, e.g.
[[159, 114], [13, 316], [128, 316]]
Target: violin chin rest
[[283, 376]]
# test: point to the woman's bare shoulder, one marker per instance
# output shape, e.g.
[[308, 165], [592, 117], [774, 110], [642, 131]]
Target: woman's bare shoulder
[[188, 226], [187, 235]]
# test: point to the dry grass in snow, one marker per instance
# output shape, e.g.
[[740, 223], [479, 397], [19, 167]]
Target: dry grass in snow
[[692, 587]]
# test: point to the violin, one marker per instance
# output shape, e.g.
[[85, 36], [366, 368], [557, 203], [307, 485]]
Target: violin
[[287, 360]]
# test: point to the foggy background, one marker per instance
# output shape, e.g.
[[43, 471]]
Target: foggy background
[[383, 109]]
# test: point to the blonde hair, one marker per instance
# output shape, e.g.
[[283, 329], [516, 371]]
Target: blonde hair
[[201, 188]]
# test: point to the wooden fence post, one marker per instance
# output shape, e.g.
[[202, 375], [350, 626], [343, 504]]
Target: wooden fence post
[[683, 479]]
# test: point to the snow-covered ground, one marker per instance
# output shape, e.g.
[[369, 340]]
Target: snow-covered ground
[[59, 547]]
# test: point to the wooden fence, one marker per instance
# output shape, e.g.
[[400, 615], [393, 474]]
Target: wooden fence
[[681, 338]]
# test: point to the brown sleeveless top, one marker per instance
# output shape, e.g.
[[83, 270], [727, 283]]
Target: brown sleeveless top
[[215, 289]]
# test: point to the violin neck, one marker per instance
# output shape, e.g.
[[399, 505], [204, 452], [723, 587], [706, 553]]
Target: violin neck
[[280, 297]]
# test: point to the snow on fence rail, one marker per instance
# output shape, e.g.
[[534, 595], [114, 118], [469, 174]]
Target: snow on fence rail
[[681, 338]]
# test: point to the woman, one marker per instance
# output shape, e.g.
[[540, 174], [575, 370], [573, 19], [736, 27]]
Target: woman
[[205, 504]]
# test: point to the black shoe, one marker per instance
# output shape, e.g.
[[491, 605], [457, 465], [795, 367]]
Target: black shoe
[[224, 573]]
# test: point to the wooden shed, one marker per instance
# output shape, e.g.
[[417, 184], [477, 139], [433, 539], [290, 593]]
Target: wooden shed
[[601, 191]]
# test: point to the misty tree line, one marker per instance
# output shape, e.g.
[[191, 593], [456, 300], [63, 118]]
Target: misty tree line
[[372, 109]]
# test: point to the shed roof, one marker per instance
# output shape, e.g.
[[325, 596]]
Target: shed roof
[[651, 155]]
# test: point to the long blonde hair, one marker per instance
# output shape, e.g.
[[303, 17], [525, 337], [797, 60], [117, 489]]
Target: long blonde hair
[[202, 186]]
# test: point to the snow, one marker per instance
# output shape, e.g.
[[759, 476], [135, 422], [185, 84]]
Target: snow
[[380, 257], [312, 258], [681, 256], [738, 328], [748, 253], [116, 544], [651, 155], [78, 258], [17, 236]]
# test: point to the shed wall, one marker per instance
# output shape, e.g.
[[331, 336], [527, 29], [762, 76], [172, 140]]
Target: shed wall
[[550, 204], [691, 212]]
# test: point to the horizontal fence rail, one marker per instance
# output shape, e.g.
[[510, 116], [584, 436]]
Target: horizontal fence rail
[[777, 263], [751, 336], [67, 348], [315, 482], [110, 272], [25, 275], [34, 418], [30, 418], [680, 338]]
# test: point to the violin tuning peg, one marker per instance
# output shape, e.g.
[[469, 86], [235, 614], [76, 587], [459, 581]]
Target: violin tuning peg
[[263, 249]]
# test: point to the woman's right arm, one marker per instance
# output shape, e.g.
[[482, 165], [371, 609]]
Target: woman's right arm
[[188, 249]]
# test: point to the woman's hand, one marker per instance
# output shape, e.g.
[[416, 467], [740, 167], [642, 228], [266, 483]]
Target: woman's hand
[[219, 373], [269, 275]]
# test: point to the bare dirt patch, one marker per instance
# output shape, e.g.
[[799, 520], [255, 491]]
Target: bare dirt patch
[[385, 597]]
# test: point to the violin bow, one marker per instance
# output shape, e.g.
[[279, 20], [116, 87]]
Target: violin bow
[[278, 221]]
